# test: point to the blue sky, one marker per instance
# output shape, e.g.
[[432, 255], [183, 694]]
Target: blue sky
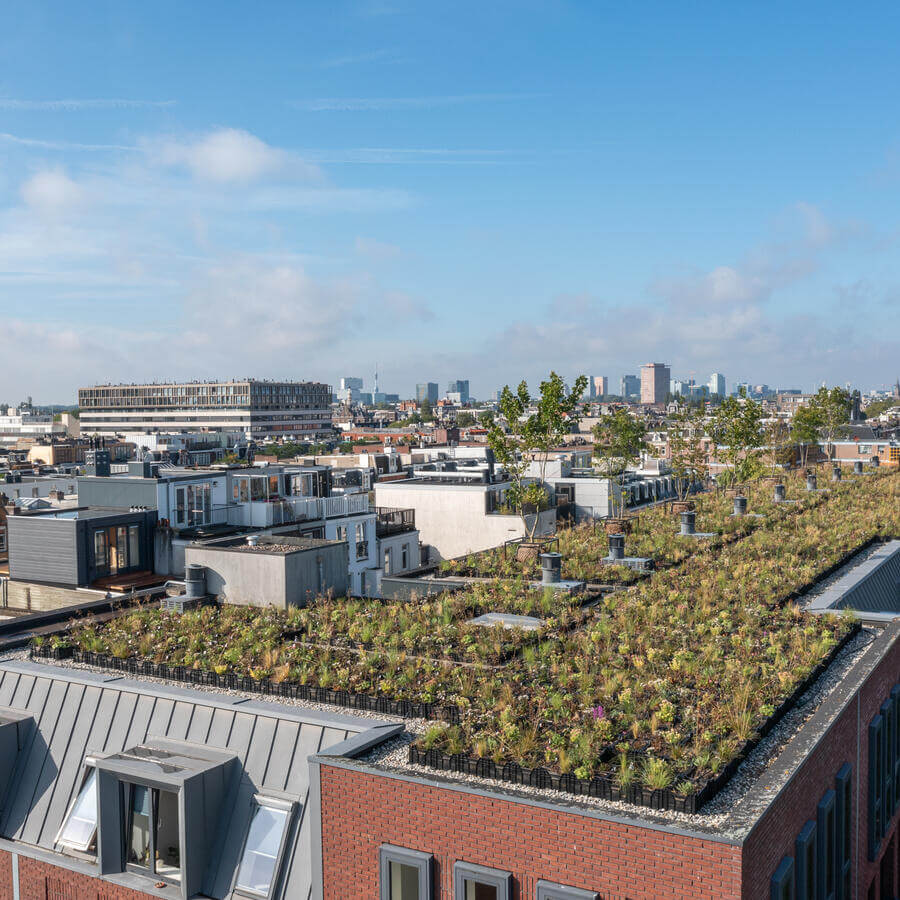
[[304, 190]]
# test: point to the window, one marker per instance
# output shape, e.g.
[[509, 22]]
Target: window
[[404, 558], [387, 561], [887, 872], [806, 862], [545, 890], [844, 815], [134, 546], [179, 506], [152, 835], [895, 699], [404, 874], [79, 828], [827, 844], [782, 887], [101, 560], [472, 882], [876, 780], [263, 847]]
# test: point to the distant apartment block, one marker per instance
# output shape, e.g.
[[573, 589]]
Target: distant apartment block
[[23, 423], [259, 409], [461, 388], [717, 384], [350, 390], [630, 386], [427, 391], [655, 378], [598, 386]]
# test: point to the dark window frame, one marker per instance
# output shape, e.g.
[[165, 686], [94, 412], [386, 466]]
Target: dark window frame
[[781, 886], [806, 871], [843, 788], [498, 878], [423, 862], [876, 794], [127, 789], [548, 890], [826, 846]]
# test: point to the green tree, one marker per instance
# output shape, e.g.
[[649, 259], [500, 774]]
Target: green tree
[[736, 430], [805, 429], [778, 442], [834, 412], [688, 454], [465, 419], [536, 425], [426, 411], [619, 439]]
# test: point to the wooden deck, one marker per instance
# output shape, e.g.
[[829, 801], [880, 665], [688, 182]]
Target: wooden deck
[[121, 584]]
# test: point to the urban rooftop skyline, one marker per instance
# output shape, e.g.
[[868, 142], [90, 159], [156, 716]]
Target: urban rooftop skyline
[[458, 191]]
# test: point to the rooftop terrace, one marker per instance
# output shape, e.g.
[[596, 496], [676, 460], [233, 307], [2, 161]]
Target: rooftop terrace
[[652, 693]]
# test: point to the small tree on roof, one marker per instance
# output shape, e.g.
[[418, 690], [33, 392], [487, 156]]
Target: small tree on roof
[[688, 455], [556, 409], [619, 439], [736, 429]]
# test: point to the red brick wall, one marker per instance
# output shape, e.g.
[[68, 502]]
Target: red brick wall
[[361, 811], [41, 881], [774, 836]]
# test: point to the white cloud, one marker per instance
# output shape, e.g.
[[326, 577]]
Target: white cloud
[[73, 105], [52, 191], [366, 104], [230, 155]]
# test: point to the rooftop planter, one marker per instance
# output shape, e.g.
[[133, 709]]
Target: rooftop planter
[[660, 687]]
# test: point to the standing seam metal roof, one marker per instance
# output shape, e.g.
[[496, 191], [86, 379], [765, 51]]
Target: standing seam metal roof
[[78, 713]]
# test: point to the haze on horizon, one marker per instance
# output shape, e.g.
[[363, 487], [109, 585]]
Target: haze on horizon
[[447, 190]]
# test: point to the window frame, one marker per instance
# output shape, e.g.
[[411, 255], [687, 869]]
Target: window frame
[[126, 788], [284, 805], [549, 890], [421, 861], [783, 880], [89, 771], [498, 878], [875, 787], [843, 788], [806, 881], [826, 846]]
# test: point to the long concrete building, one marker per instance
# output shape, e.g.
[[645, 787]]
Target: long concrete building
[[260, 409]]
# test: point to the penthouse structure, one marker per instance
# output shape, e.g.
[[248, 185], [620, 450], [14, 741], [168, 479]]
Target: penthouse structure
[[259, 409]]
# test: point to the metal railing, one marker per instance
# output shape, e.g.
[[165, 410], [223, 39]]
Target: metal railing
[[394, 521]]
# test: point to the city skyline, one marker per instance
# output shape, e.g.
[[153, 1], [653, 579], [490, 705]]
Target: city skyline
[[367, 173]]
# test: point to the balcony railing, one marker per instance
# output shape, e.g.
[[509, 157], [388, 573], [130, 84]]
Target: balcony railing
[[394, 521]]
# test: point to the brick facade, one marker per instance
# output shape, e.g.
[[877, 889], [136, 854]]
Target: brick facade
[[362, 811], [42, 881]]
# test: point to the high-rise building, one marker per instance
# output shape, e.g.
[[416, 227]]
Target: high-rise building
[[350, 390], [655, 378], [630, 387], [717, 384], [427, 391], [598, 386], [261, 409], [461, 388]]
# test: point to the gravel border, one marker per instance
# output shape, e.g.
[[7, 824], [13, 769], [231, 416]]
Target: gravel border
[[731, 813]]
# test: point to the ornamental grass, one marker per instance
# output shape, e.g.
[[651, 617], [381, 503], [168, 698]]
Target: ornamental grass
[[659, 684]]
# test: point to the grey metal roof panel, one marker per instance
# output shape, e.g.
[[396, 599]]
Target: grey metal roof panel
[[79, 713], [873, 586]]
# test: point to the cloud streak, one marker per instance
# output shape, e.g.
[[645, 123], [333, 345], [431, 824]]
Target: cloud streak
[[384, 104], [75, 105]]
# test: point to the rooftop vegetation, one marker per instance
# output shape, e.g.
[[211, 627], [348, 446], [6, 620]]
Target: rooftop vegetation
[[658, 684], [654, 534]]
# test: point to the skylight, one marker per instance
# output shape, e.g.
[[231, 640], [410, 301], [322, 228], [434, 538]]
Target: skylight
[[79, 830], [262, 849]]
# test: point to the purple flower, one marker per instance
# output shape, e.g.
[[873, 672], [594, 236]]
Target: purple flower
[[598, 712]]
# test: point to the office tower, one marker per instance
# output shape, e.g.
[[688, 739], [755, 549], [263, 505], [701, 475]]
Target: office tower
[[655, 378], [717, 384]]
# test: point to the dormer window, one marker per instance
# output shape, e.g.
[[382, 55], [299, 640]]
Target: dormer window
[[79, 828], [264, 847], [151, 831]]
